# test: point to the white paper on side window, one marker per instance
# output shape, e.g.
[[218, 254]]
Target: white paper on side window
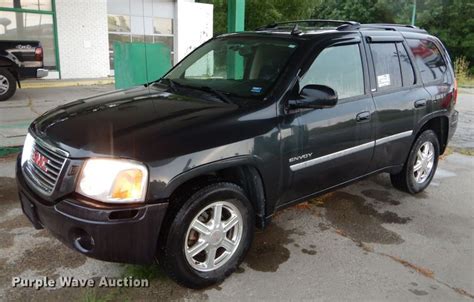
[[383, 80]]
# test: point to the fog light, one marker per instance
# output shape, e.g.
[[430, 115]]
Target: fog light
[[82, 241]]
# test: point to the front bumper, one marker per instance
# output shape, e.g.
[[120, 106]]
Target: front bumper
[[41, 73], [118, 234]]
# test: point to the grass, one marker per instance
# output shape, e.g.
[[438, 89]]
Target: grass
[[469, 82], [149, 272], [464, 151]]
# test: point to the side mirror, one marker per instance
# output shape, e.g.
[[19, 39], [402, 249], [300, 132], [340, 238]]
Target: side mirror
[[315, 96]]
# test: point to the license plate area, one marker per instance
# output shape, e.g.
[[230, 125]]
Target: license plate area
[[29, 209]]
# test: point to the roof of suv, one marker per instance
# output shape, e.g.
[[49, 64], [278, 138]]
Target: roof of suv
[[318, 26]]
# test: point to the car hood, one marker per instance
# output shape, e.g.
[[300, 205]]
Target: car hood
[[141, 123]]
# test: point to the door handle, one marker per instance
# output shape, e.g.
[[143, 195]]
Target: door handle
[[420, 103], [363, 116]]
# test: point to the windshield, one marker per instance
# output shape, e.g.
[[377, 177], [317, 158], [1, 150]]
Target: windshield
[[236, 66]]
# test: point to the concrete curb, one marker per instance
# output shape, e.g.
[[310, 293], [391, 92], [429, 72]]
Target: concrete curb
[[34, 84]]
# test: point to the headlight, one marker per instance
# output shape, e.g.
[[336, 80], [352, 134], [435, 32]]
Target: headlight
[[113, 180], [27, 148]]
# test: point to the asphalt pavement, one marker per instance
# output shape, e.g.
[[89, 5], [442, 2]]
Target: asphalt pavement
[[365, 242]]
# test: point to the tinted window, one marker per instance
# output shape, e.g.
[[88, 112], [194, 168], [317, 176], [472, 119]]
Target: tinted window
[[338, 67], [428, 59], [408, 75], [387, 66]]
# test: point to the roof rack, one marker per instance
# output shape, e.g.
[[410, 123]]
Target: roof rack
[[298, 26], [394, 27], [309, 24]]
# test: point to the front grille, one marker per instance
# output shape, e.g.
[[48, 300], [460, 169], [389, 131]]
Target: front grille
[[45, 179]]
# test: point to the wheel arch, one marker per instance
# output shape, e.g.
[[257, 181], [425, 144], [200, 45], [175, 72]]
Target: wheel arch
[[243, 172], [440, 125]]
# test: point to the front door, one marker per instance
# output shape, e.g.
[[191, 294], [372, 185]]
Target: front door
[[331, 145]]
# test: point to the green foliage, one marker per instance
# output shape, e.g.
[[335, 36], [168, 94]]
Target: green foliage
[[461, 68], [262, 12], [364, 11], [451, 20]]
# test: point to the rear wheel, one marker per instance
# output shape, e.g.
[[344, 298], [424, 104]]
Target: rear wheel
[[7, 84], [208, 237], [420, 166]]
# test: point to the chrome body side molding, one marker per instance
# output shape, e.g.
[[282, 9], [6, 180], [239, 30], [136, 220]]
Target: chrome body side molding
[[348, 151]]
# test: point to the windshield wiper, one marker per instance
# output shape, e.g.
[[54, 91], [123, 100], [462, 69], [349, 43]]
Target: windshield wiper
[[174, 87], [224, 98]]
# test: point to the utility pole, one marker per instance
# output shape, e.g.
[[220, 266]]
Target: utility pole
[[235, 15], [235, 23], [413, 14]]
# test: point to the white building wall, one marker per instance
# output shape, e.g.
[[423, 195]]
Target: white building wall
[[82, 38], [194, 26]]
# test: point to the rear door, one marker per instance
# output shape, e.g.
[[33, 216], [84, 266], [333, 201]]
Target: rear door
[[331, 145], [435, 74], [399, 98]]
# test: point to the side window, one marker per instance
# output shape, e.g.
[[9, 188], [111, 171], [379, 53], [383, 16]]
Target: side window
[[408, 74], [339, 67], [428, 58], [387, 66]]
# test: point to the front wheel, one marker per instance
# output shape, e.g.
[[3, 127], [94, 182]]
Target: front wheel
[[420, 166], [209, 236]]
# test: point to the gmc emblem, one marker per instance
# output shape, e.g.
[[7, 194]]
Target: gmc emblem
[[40, 160]]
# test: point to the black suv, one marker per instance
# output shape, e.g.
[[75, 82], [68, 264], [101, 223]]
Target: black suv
[[182, 170]]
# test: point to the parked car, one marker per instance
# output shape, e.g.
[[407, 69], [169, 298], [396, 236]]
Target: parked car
[[183, 170], [19, 60]]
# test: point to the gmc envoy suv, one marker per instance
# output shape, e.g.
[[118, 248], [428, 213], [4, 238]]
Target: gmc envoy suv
[[182, 170]]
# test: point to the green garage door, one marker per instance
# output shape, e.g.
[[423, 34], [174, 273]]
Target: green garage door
[[140, 63]]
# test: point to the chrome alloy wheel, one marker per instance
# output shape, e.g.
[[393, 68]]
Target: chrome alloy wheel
[[424, 162], [213, 236], [4, 84]]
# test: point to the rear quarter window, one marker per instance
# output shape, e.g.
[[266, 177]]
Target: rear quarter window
[[428, 59], [408, 74]]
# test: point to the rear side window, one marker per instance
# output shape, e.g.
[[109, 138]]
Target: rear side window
[[429, 60], [408, 74], [339, 67], [387, 66]]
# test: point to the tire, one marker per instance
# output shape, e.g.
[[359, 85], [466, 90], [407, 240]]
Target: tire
[[415, 178], [179, 238], [7, 84]]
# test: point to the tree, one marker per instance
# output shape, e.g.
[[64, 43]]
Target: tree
[[364, 11], [450, 20], [262, 12]]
